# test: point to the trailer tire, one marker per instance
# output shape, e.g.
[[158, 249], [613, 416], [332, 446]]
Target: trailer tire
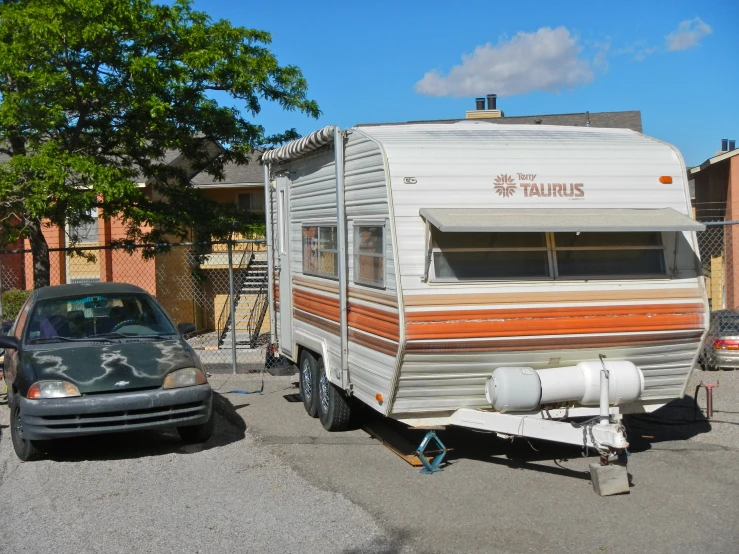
[[307, 382], [334, 410]]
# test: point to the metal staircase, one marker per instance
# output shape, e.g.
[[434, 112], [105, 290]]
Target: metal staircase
[[250, 296]]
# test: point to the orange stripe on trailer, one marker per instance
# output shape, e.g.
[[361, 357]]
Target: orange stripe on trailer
[[512, 325]]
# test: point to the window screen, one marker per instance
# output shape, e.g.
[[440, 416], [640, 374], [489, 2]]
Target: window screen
[[604, 254], [483, 256], [320, 251], [369, 255]]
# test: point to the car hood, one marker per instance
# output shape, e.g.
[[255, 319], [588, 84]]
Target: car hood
[[108, 367]]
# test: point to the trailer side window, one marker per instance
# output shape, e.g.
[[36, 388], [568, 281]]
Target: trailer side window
[[604, 254], [369, 255], [489, 256], [481, 256], [320, 251]]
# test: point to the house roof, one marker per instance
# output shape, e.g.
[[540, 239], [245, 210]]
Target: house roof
[[233, 174], [619, 120], [711, 161]]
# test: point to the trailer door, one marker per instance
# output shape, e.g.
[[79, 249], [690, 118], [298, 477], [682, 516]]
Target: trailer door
[[285, 275]]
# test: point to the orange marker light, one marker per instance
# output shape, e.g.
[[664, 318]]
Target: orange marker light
[[665, 180], [378, 397], [34, 392]]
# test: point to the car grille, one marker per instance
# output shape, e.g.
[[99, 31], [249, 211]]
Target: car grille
[[134, 418]]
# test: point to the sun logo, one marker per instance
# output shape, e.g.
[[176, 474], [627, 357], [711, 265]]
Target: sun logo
[[504, 185]]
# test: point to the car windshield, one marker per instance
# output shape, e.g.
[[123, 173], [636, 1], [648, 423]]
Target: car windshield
[[99, 316]]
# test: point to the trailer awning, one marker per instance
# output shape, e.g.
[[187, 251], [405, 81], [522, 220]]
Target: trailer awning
[[475, 220]]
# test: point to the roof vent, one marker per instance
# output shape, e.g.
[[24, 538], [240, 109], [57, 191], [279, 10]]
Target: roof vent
[[479, 103], [732, 145], [724, 145]]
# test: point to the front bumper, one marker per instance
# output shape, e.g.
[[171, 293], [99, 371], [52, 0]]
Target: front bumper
[[112, 413]]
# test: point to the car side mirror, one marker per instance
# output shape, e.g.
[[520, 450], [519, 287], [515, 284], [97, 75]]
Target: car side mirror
[[9, 343], [185, 328]]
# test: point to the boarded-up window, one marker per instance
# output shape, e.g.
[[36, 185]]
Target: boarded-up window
[[369, 255], [320, 251]]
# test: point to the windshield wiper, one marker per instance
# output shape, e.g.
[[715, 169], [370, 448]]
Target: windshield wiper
[[153, 337], [117, 335], [68, 339]]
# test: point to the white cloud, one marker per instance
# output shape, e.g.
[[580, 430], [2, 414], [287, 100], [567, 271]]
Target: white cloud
[[547, 60], [688, 34]]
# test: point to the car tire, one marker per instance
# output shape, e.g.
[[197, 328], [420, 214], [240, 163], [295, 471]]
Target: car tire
[[334, 410], [307, 382], [26, 450], [192, 434]]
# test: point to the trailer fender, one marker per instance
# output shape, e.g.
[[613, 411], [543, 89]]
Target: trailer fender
[[318, 346]]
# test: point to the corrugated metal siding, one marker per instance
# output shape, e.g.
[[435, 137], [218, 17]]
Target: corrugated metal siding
[[371, 371], [313, 200], [438, 382]]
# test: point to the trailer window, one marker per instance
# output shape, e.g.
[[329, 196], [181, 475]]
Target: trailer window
[[481, 256], [320, 251], [489, 256], [606, 254], [369, 255]]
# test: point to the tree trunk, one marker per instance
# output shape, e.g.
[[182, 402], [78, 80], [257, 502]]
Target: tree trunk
[[40, 252]]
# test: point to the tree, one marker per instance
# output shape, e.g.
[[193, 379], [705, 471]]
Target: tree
[[93, 93]]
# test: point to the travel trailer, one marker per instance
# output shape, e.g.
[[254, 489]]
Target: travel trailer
[[535, 281]]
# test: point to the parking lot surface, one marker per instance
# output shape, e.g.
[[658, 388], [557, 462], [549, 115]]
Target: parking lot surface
[[147, 492], [272, 480]]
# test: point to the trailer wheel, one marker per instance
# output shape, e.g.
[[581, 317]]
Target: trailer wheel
[[333, 404], [307, 382]]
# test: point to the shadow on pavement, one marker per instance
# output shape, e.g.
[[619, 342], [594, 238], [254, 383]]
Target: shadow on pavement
[[487, 447], [678, 420], [390, 544], [230, 427]]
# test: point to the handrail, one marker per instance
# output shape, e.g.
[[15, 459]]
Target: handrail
[[225, 314], [257, 313]]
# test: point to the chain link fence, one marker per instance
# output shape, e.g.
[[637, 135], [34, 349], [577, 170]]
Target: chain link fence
[[192, 281], [719, 256]]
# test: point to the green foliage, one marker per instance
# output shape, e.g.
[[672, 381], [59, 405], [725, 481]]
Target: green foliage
[[95, 94], [13, 300]]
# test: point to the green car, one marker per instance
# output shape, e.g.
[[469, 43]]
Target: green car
[[100, 358]]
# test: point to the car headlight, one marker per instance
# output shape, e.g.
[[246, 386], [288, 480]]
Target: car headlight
[[187, 377], [53, 389]]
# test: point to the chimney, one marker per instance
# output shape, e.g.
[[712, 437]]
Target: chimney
[[732, 145], [481, 113], [724, 145]]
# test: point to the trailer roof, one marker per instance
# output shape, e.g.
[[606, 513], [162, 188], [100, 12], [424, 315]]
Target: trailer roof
[[500, 220]]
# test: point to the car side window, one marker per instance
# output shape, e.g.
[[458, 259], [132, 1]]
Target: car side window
[[20, 321]]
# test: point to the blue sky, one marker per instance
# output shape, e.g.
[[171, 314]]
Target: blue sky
[[391, 61]]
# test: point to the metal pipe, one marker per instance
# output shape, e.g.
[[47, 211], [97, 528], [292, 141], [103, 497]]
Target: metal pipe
[[233, 306], [605, 417], [270, 254], [341, 231]]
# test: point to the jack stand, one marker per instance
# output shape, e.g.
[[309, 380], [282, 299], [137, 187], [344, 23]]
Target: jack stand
[[709, 397], [433, 466]]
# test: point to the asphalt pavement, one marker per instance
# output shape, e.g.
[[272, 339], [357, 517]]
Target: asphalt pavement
[[272, 480], [147, 492]]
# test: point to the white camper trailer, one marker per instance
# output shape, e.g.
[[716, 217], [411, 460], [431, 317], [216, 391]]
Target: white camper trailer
[[507, 278]]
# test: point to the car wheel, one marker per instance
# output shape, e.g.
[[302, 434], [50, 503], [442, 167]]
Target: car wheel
[[333, 404], [306, 381], [198, 433], [26, 450]]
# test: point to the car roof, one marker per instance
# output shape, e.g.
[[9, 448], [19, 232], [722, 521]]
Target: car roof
[[82, 289]]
